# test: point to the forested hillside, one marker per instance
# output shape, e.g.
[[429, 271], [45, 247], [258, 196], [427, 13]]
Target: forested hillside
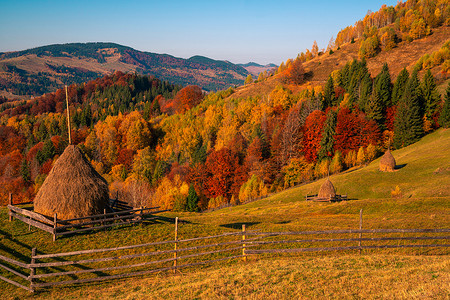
[[176, 147], [44, 69]]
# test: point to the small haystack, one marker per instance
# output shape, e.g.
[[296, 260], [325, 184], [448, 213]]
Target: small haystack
[[327, 190], [72, 189], [387, 162]]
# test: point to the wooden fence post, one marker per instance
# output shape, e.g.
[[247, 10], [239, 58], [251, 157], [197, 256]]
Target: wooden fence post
[[32, 269], [176, 239], [10, 203], [54, 226], [360, 228], [243, 241], [104, 217]]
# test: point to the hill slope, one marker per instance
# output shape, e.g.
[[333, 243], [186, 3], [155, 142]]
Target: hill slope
[[43, 69], [424, 179], [405, 55], [424, 205]]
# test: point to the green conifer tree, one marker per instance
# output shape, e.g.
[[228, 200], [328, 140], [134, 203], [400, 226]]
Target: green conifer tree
[[374, 109], [444, 118], [192, 200], [25, 170], [383, 86], [148, 109], [47, 152], [399, 86], [328, 94], [408, 124], [430, 94], [329, 130], [156, 107], [198, 153], [365, 91]]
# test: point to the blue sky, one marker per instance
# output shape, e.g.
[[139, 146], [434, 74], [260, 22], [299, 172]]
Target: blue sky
[[238, 31]]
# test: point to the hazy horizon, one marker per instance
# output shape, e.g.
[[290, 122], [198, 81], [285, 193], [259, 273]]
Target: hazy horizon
[[237, 31]]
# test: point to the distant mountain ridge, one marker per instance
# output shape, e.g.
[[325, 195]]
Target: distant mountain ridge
[[44, 69], [255, 68], [253, 64]]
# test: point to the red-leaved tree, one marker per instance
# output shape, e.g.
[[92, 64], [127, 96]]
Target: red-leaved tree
[[353, 130], [224, 175], [312, 134], [187, 98]]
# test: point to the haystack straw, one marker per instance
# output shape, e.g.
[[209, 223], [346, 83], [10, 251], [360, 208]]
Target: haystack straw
[[72, 189], [327, 190], [387, 162]]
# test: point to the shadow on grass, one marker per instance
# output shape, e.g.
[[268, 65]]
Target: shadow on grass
[[283, 222], [398, 167], [161, 219], [238, 225], [147, 220], [12, 251]]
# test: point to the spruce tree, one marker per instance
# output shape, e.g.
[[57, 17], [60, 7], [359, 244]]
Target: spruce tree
[[430, 94], [366, 91], [399, 86], [346, 76], [156, 107], [374, 109], [444, 118], [198, 153], [192, 200], [329, 130], [408, 124], [25, 170], [383, 86]]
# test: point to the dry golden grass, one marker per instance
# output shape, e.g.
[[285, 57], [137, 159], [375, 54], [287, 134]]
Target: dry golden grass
[[331, 277]]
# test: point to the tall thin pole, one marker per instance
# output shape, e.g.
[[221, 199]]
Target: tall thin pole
[[10, 203], [176, 240], [243, 245], [360, 228], [68, 115]]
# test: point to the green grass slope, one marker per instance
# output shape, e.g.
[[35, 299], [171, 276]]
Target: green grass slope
[[425, 201]]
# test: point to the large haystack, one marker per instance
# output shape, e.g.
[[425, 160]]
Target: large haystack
[[72, 189], [327, 190], [387, 162]]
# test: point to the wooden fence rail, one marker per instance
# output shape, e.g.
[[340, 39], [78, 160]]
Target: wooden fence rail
[[15, 264], [359, 239], [57, 227], [93, 265]]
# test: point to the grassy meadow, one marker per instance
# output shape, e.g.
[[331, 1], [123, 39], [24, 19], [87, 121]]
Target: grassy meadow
[[423, 178]]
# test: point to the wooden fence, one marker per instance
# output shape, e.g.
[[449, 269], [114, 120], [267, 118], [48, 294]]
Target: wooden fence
[[53, 269], [16, 269], [57, 227], [326, 199], [279, 242]]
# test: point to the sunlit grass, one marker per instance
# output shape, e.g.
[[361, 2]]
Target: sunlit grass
[[377, 274]]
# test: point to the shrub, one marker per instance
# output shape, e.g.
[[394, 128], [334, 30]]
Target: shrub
[[396, 193]]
